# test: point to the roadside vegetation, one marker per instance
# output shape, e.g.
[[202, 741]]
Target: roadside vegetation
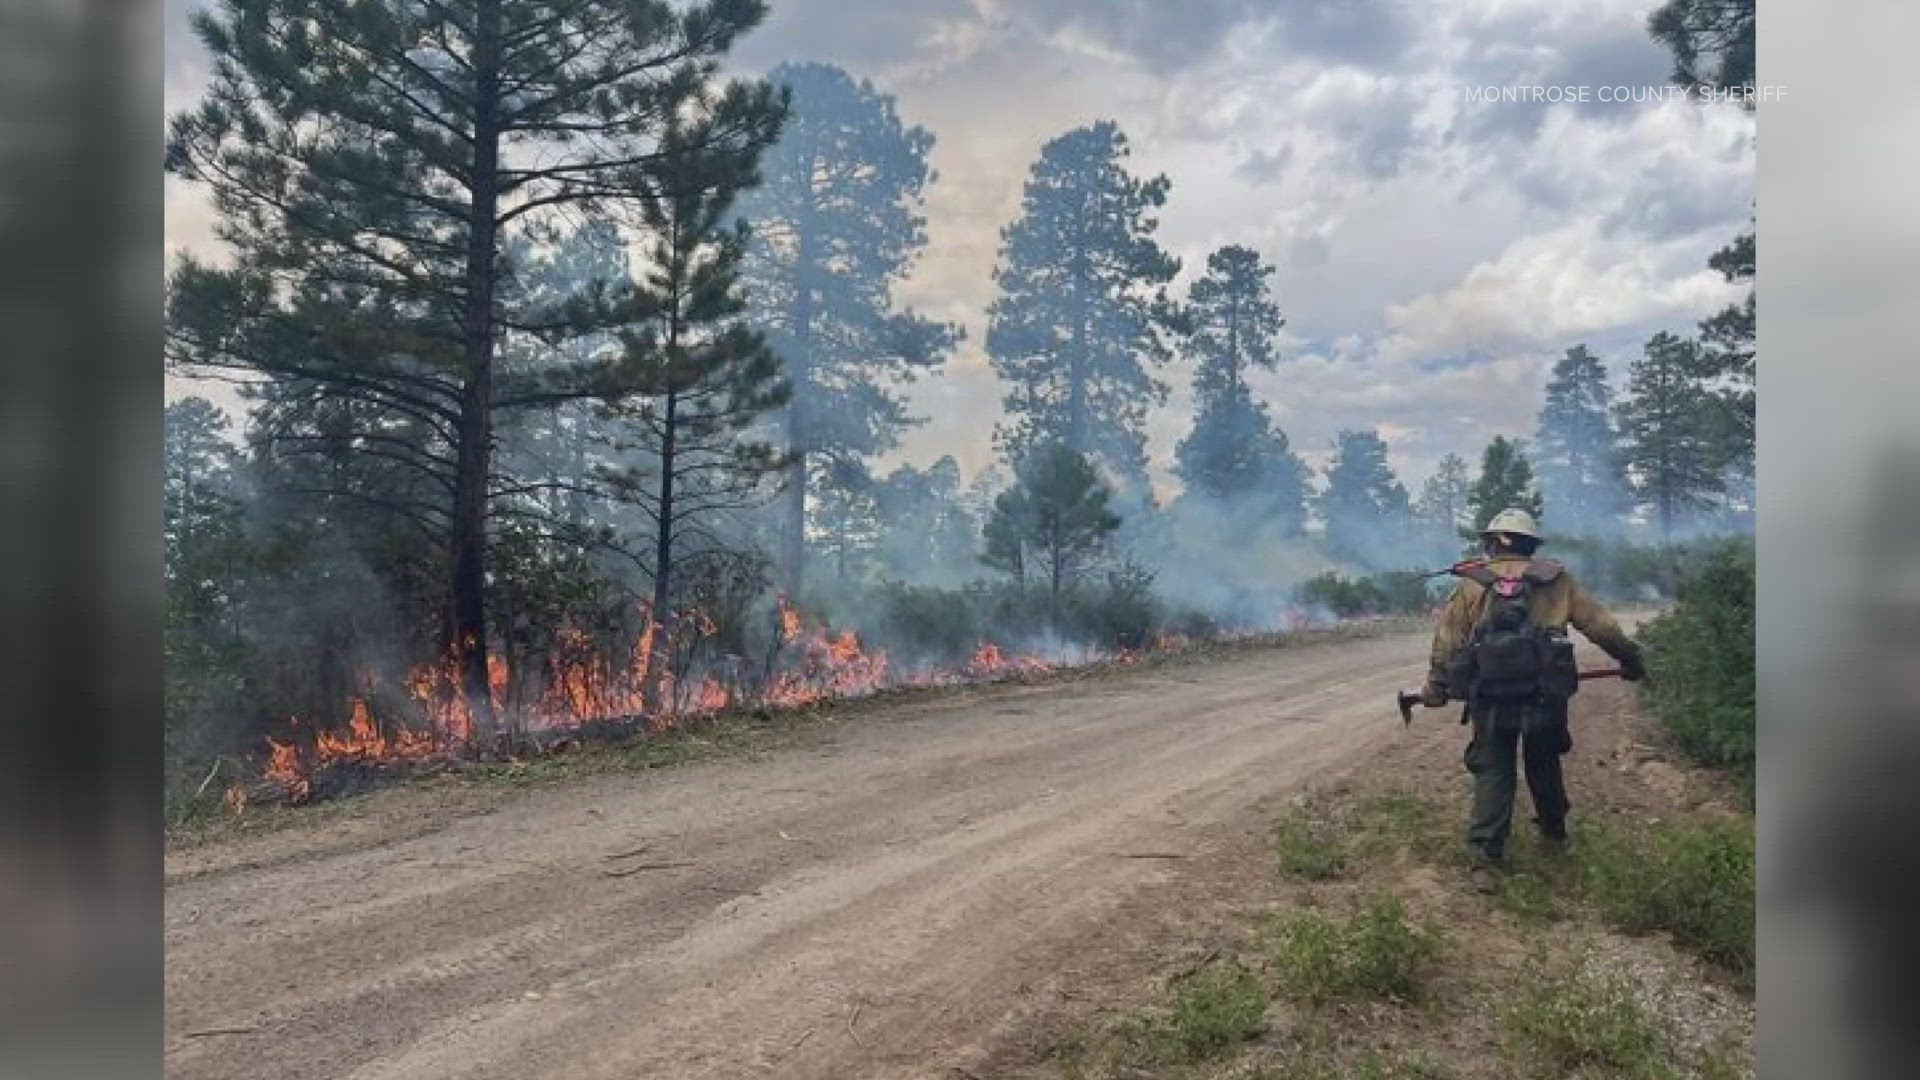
[[1628, 955], [1701, 653]]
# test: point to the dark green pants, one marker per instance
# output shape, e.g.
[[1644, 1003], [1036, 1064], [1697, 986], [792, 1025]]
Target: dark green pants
[[1505, 739]]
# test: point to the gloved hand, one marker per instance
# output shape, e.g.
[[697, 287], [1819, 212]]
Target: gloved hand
[[1633, 668], [1433, 695]]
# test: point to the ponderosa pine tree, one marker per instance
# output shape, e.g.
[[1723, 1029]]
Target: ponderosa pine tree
[[1061, 517], [1728, 348], [836, 225], [701, 376], [1712, 43], [202, 539], [1082, 309], [1505, 482], [928, 532], [1445, 506], [371, 161], [1003, 535], [1669, 430], [1364, 505], [1234, 452], [1581, 482]]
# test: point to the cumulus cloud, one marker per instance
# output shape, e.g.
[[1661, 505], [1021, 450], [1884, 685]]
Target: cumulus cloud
[[1552, 287]]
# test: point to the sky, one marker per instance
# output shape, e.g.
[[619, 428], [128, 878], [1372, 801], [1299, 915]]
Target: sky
[[1434, 254]]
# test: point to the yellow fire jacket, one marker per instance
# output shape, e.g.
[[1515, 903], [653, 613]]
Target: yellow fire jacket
[[1555, 603]]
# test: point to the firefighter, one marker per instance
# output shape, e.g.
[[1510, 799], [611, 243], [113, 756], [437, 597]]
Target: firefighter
[[1509, 611]]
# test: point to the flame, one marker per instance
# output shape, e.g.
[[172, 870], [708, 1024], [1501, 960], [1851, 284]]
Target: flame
[[789, 618], [990, 662], [363, 741], [285, 768], [1168, 641], [580, 680], [822, 664]]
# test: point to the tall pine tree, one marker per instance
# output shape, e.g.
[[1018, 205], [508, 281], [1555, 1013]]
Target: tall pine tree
[[1234, 451], [837, 224], [1505, 482], [1727, 342], [1082, 311], [1365, 507], [371, 160], [1669, 431], [1581, 483], [1712, 45], [702, 375], [1445, 507]]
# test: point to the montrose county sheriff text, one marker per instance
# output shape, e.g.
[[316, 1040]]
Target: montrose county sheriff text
[[1502, 94]]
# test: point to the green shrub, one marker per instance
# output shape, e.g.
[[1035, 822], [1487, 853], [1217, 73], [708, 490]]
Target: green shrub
[[928, 624], [1616, 569], [1700, 656], [1218, 1006], [1694, 880], [1388, 592], [1582, 1023], [1120, 612], [1398, 821], [1375, 953], [1527, 894], [1309, 847]]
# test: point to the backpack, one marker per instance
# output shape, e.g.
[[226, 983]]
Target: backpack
[[1508, 657]]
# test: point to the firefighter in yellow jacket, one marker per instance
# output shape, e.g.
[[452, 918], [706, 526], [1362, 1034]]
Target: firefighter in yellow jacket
[[1501, 648]]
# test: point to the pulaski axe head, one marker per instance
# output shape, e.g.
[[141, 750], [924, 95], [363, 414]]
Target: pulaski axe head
[[1407, 700]]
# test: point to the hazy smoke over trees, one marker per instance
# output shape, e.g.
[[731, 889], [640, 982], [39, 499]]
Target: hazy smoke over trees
[[1082, 311], [1445, 507], [1365, 507], [836, 225]]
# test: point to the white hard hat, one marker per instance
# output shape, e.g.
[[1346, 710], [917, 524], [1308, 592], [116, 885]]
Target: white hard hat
[[1513, 520]]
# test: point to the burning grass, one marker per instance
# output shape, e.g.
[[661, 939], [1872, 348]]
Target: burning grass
[[582, 697]]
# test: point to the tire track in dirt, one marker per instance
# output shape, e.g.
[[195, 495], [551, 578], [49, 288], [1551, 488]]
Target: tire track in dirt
[[870, 908]]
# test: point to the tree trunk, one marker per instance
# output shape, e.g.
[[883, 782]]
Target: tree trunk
[[794, 540], [657, 645], [468, 628], [1055, 567], [1077, 436]]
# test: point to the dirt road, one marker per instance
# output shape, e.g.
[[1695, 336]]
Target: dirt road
[[876, 907]]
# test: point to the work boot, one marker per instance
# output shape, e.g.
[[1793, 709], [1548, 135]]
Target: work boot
[[1485, 875], [1553, 840]]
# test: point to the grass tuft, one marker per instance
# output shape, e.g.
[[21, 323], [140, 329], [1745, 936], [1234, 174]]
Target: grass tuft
[[1579, 1022], [1217, 1007], [1309, 847], [1376, 953], [1694, 880]]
